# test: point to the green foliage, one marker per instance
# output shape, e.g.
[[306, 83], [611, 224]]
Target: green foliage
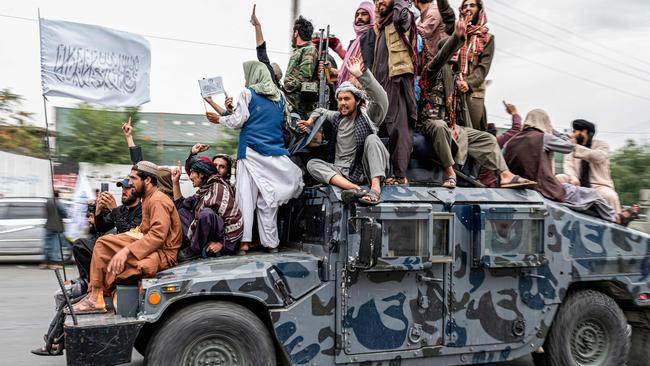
[[23, 140], [95, 136], [16, 134], [227, 141], [10, 108], [629, 167]]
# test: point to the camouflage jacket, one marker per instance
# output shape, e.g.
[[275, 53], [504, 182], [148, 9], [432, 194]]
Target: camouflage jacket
[[302, 66]]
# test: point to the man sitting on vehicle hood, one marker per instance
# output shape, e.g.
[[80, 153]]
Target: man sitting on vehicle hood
[[143, 251]]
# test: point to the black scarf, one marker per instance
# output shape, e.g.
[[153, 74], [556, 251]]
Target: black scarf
[[585, 167]]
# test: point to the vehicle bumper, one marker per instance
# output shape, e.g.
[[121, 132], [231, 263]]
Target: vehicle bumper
[[100, 339]]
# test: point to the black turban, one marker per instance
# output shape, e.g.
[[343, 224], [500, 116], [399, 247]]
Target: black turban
[[581, 124], [205, 167]]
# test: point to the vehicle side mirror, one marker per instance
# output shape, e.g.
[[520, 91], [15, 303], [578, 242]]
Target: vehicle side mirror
[[370, 244]]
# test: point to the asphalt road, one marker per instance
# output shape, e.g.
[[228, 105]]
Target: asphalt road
[[26, 308]]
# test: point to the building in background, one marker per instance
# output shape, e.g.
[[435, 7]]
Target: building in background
[[171, 135]]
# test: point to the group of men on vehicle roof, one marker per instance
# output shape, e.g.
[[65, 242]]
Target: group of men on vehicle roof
[[399, 77]]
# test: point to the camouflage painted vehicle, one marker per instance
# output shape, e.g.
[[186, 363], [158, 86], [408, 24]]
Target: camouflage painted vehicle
[[428, 277]]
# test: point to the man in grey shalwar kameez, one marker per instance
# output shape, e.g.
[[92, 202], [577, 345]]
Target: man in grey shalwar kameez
[[529, 154], [355, 150]]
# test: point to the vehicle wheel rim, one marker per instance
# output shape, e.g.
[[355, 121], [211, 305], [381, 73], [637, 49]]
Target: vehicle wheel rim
[[589, 343], [212, 351]]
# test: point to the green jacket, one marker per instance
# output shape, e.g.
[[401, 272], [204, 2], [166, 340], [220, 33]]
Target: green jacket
[[302, 67]]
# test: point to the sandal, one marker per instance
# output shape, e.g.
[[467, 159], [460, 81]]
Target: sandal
[[86, 306], [395, 181], [518, 182], [449, 182], [243, 251], [353, 194], [374, 198], [56, 350]]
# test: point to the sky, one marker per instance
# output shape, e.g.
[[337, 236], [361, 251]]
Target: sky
[[585, 59]]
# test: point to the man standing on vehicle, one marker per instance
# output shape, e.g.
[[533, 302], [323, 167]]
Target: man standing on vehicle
[[301, 68], [394, 67], [143, 251], [53, 233]]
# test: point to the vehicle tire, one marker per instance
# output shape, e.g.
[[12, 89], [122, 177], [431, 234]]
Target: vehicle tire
[[209, 333], [590, 329], [639, 350]]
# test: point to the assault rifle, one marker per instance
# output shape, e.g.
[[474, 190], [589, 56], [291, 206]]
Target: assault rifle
[[324, 76]]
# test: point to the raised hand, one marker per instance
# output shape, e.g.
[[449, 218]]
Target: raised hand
[[212, 117], [355, 66], [199, 148], [176, 173], [511, 109], [460, 28], [127, 129], [229, 106], [254, 21]]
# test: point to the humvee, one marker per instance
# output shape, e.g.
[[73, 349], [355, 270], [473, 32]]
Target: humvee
[[430, 276]]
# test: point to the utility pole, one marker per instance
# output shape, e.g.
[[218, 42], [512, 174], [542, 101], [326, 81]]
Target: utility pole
[[295, 11]]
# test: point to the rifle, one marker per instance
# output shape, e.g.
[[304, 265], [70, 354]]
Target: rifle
[[324, 77]]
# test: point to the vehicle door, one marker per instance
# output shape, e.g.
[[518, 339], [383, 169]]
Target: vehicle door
[[22, 227], [501, 280], [397, 307]]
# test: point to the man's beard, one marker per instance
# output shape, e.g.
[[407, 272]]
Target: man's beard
[[138, 192], [387, 10], [580, 139], [129, 200], [361, 22]]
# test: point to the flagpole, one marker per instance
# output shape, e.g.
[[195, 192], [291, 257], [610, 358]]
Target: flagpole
[[49, 158]]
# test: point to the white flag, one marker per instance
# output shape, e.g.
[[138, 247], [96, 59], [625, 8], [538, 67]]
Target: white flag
[[211, 86], [95, 64]]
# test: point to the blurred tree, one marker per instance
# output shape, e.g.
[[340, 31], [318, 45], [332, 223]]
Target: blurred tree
[[17, 134], [227, 142], [95, 136], [629, 167], [10, 108]]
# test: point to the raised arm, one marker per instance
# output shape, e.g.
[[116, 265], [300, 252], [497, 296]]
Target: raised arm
[[453, 44], [377, 97], [134, 150], [238, 117], [597, 154], [176, 182], [447, 14]]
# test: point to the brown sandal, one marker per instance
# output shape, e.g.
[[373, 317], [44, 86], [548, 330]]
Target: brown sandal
[[396, 181], [372, 198], [519, 182], [449, 182], [86, 306]]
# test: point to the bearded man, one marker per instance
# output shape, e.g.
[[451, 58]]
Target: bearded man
[[394, 67], [355, 151], [143, 251], [364, 44], [475, 59]]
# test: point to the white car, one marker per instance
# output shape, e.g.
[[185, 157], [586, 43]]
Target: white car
[[22, 228]]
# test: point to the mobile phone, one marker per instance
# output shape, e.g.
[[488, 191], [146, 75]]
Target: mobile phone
[[104, 187]]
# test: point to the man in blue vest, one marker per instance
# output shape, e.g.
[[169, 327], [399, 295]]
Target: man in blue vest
[[266, 177]]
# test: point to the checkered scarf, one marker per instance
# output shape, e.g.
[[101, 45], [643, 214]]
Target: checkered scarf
[[362, 129], [476, 37]]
